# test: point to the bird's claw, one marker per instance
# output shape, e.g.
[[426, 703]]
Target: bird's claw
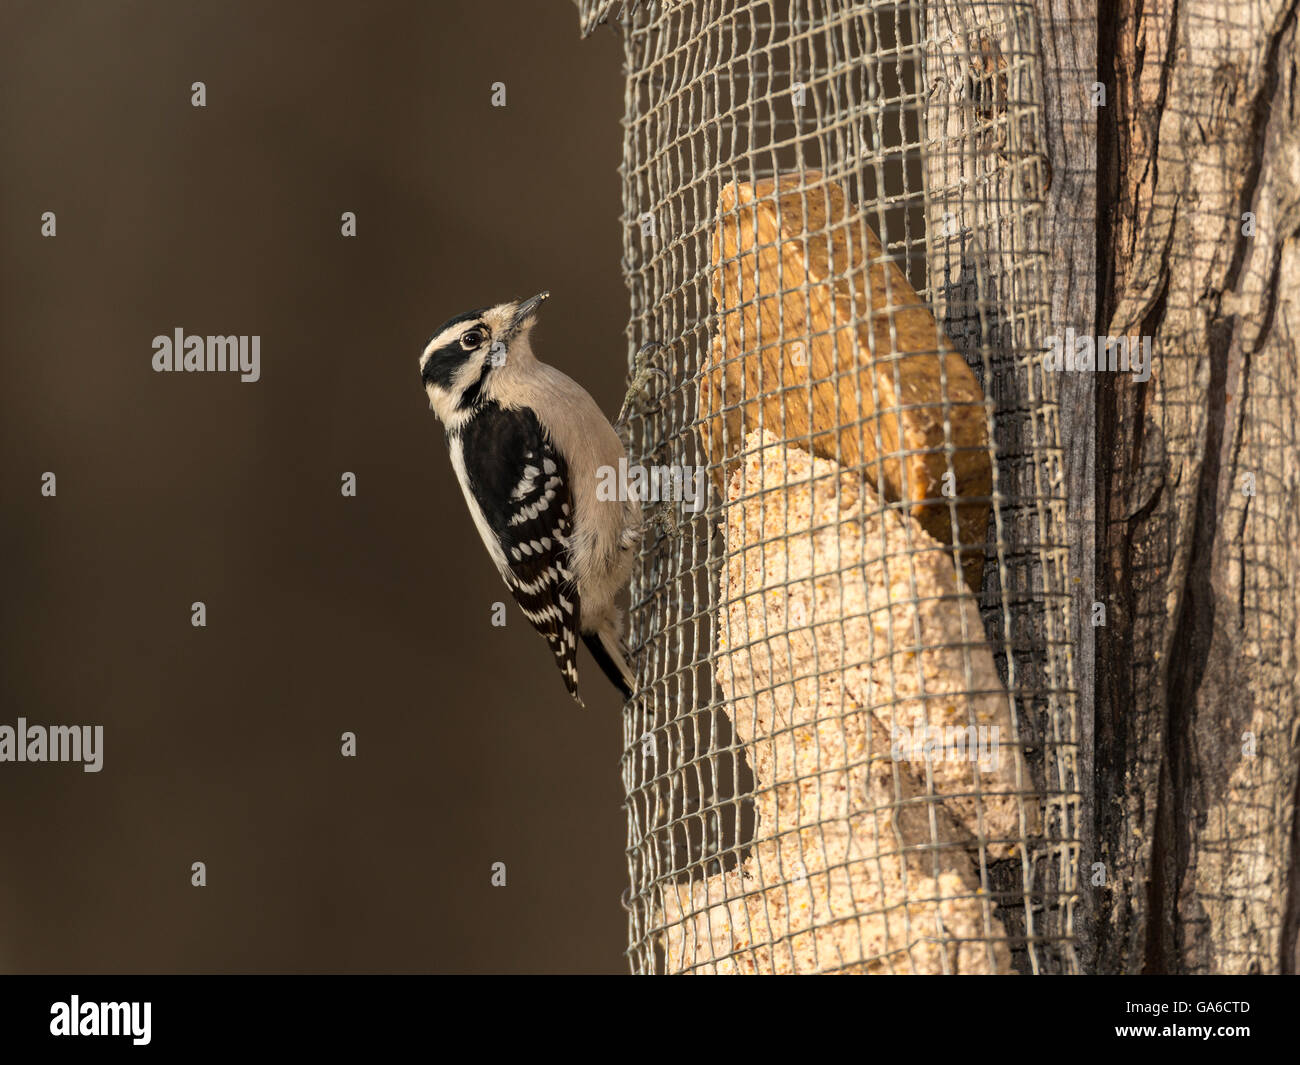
[[642, 375], [663, 516]]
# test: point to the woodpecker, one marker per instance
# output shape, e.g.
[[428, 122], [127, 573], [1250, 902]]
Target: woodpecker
[[526, 443]]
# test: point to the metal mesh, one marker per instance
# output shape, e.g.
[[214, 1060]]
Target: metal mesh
[[881, 563]]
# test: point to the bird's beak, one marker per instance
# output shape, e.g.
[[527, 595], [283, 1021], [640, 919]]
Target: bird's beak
[[525, 311]]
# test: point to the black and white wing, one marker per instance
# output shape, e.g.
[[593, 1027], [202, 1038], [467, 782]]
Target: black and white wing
[[517, 488]]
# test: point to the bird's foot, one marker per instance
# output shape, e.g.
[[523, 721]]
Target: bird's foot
[[639, 390], [663, 516]]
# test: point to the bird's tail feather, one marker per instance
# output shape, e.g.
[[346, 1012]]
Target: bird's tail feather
[[611, 654]]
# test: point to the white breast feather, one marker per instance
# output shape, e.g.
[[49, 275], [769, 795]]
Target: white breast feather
[[476, 512]]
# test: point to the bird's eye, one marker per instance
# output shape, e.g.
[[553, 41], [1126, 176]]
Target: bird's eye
[[472, 339]]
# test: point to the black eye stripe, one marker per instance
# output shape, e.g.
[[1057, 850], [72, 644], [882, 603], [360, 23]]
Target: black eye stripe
[[441, 365]]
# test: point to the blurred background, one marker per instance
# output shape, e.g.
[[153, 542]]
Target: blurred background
[[324, 614]]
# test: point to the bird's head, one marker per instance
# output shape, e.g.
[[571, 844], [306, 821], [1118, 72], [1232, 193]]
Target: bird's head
[[458, 362]]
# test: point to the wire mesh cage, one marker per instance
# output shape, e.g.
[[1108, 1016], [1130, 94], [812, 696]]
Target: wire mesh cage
[[853, 747]]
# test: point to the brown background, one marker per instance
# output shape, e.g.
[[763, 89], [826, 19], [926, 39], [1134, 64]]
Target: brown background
[[325, 614]]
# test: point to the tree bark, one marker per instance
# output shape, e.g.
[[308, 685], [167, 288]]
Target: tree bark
[[1068, 43], [1173, 212], [1199, 554]]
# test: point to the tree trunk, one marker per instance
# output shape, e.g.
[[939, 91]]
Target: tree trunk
[[1173, 212], [1199, 545], [1068, 42]]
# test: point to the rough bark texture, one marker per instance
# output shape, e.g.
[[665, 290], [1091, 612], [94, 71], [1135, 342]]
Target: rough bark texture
[[1009, 260], [1196, 744], [1068, 45], [1183, 489]]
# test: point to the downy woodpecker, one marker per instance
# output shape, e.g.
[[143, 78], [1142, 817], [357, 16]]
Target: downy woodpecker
[[527, 443]]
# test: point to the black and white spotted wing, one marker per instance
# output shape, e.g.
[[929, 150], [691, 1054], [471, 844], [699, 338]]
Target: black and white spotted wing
[[518, 492]]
